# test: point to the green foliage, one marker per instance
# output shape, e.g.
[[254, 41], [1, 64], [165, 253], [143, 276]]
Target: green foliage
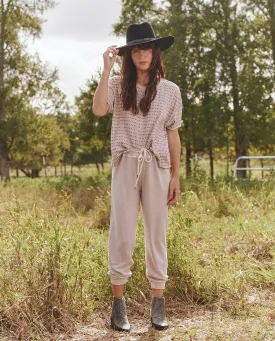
[[222, 61], [94, 132], [132, 12], [40, 137], [68, 182], [28, 90]]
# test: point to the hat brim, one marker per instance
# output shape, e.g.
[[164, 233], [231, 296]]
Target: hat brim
[[163, 43]]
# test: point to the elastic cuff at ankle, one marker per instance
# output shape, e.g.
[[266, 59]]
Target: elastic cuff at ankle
[[158, 285], [118, 281]]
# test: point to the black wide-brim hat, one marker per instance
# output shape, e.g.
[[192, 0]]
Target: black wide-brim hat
[[138, 34]]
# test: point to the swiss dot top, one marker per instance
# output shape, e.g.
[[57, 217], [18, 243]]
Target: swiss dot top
[[134, 132]]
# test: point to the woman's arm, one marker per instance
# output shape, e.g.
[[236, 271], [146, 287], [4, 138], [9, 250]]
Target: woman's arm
[[100, 104], [174, 149]]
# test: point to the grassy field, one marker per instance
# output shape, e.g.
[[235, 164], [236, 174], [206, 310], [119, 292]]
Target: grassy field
[[202, 163], [220, 169], [53, 254]]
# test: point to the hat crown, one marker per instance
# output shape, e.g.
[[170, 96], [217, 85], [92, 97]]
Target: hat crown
[[138, 34], [140, 31]]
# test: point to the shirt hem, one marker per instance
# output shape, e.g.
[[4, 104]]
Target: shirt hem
[[160, 165]]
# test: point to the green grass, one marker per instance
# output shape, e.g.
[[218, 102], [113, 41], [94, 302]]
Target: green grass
[[53, 249], [202, 163]]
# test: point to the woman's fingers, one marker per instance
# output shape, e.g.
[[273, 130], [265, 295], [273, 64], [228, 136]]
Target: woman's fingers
[[171, 193], [170, 197], [113, 49], [111, 52], [109, 57], [173, 197], [172, 202], [114, 52]]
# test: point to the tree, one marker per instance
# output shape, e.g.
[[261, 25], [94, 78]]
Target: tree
[[264, 11], [221, 61], [68, 123], [17, 17], [94, 132], [178, 18], [41, 139], [244, 70]]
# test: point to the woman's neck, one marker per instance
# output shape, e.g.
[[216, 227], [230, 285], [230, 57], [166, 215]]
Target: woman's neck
[[142, 77]]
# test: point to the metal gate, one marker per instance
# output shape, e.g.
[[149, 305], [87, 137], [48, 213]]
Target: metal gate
[[253, 168]]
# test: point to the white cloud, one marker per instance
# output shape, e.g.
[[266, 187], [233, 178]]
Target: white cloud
[[75, 37], [83, 19], [76, 60]]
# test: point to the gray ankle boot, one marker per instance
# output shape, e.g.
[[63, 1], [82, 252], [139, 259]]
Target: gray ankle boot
[[119, 320], [158, 318]]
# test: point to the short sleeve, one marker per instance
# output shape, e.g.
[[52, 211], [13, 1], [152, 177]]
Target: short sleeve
[[174, 119], [111, 93]]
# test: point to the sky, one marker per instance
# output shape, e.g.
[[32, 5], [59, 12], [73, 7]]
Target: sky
[[75, 35]]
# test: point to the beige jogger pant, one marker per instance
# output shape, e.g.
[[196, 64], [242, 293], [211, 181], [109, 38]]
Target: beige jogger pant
[[137, 179]]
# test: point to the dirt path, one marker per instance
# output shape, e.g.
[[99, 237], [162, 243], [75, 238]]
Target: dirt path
[[189, 323], [198, 328], [255, 322]]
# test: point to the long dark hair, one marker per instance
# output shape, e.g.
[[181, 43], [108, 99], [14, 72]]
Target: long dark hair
[[129, 79]]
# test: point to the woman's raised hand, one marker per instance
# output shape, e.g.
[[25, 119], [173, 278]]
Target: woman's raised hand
[[109, 57]]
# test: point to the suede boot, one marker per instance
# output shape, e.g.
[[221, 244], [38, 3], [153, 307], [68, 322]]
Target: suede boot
[[158, 318], [119, 320]]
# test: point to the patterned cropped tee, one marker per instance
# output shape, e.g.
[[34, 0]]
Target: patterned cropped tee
[[134, 132]]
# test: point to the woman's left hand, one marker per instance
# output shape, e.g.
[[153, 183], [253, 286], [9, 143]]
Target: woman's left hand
[[174, 191]]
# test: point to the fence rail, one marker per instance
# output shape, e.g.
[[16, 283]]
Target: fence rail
[[236, 168]]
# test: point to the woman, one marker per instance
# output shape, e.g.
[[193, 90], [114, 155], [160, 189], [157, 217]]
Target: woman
[[145, 145]]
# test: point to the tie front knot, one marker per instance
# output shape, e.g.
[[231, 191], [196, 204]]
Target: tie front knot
[[145, 154], [142, 155]]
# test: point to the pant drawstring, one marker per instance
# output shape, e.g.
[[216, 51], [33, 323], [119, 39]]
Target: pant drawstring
[[144, 155]]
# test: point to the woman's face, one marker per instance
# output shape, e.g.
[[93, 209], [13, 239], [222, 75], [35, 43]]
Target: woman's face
[[142, 57]]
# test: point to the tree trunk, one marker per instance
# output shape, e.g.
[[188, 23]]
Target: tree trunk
[[240, 139], [230, 42], [240, 148], [4, 158], [45, 171], [28, 174], [188, 160], [4, 168], [227, 151], [55, 170], [72, 169], [211, 158], [97, 167], [35, 173], [250, 171]]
